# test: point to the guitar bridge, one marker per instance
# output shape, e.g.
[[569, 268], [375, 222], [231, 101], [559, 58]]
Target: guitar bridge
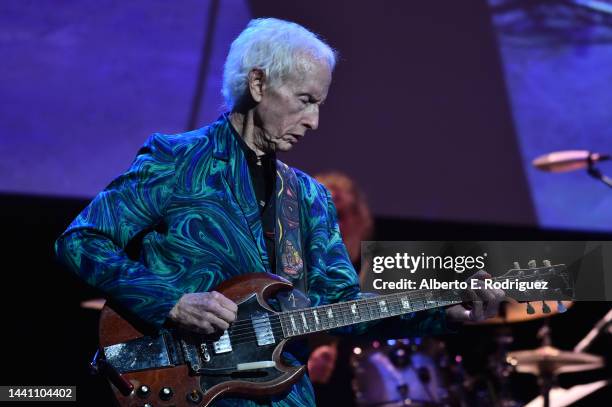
[[223, 345]]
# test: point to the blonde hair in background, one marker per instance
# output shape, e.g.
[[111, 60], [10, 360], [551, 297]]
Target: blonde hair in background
[[354, 217]]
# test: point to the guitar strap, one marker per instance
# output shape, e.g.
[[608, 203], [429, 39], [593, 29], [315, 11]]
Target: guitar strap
[[289, 246]]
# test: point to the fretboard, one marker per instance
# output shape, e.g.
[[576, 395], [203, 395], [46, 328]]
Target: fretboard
[[325, 317]]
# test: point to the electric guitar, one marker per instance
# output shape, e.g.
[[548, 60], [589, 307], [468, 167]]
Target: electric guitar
[[171, 368]]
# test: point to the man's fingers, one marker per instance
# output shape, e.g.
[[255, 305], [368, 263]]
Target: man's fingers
[[213, 306], [200, 325], [225, 302], [477, 313], [493, 306], [204, 312], [481, 275], [223, 313], [485, 295], [491, 299], [488, 299], [215, 321]]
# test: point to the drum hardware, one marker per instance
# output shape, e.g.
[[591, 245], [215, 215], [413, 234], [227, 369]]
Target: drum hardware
[[547, 362]]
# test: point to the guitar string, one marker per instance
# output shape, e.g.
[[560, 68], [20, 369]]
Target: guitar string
[[367, 311], [343, 309], [239, 325], [417, 294], [346, 318], [351, 321], [343, 314], [278, 332]]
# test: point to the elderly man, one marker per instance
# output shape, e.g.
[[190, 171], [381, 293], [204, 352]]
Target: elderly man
[[209, 204]]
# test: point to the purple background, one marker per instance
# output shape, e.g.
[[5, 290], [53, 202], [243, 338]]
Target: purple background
[[433, 111]]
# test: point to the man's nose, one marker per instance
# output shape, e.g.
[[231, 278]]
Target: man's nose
[[311, 119]]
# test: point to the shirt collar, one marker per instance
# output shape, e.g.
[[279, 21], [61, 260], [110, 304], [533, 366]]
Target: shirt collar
[[250, 155]]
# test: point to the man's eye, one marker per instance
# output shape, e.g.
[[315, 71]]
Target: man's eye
[[304, 101]]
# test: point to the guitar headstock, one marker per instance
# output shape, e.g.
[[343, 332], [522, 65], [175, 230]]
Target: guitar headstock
[[545, 282]]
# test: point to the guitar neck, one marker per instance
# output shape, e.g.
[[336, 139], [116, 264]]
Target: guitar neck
[[325, 317]]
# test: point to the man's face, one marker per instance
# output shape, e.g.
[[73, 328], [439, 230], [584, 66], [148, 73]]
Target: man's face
[[286, 111]]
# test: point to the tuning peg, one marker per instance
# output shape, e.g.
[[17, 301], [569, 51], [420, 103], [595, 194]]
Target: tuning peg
[[545, 308], [532, 264], [561, 308], [530, 309], [547, 263], [517, 265]]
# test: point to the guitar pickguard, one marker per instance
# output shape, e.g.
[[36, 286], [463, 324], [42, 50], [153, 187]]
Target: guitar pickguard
[[254, 341]]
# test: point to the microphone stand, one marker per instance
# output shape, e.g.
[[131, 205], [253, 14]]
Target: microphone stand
[[596, 173], [594, 333]]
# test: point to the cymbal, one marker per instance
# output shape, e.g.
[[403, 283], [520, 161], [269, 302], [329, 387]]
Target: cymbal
[[548, 359], [517, 312]]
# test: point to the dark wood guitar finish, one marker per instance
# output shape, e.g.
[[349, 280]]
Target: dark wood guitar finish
[[250, 292], [173, 368]]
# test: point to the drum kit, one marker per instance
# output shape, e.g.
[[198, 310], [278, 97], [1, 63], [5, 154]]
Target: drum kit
[[409, 372]]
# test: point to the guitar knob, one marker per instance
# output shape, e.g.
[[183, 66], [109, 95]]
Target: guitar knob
[[195, 396], [517, 265], [532, 264], [547, 263], [166, 393], [545, 308], [530, 309], [147, 405], [143, 391]]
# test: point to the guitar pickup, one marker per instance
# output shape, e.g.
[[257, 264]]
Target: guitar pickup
[[263, 329]]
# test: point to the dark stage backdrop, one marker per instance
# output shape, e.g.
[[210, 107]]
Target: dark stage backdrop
[[424, 112], [417, 113], [556, 58]]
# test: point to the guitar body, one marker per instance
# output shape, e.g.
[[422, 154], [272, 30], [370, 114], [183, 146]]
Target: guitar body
[[211, 372], [174, 368]]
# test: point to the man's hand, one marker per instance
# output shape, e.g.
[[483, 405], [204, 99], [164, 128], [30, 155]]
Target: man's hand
[[485, 303], [206, 313]]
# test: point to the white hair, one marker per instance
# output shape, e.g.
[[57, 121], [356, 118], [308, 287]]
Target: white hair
[[277, 47]]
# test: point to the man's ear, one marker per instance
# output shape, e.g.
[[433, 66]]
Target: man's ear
[[257, 80]]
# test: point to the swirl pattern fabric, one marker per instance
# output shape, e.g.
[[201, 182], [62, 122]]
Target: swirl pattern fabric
[[290, 261], [189, 196]]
